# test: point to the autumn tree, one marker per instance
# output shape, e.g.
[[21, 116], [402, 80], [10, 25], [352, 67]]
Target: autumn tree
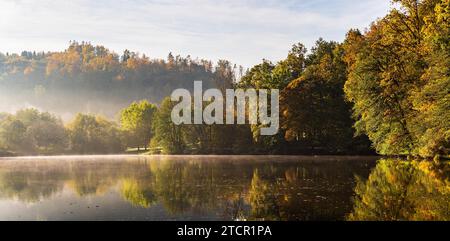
[[398, 79], [432, 101], [91, 78]]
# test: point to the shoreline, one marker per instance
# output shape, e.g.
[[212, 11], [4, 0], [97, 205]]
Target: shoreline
[[204, 157]]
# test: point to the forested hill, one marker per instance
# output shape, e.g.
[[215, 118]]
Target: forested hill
[[88, 78]]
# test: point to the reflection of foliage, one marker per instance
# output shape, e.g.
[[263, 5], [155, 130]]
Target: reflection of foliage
[[399, 190], [192, 186], [263, 199], [235, 208], [90, 183], [137, 193], [29, 186], [38, 180], [243, 189], [304, 192], [96, 178], [174, 188]]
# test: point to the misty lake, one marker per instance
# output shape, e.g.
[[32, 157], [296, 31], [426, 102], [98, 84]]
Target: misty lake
[[179, 187]]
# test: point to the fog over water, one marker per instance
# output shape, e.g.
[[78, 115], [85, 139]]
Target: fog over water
[[178, 187]]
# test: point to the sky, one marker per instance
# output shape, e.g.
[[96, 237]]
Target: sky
[[242, 31]]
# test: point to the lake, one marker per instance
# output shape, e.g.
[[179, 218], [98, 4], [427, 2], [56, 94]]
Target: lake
[[180, 187]]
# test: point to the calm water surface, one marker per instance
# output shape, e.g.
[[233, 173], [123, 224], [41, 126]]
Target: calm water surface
[[179, 187]]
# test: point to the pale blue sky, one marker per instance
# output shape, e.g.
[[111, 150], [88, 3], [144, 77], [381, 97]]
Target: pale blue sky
[[242, 31]]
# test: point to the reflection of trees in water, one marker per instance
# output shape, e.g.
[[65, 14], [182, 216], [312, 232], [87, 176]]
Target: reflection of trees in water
[[138, 192], [91, 182], [251, 190], [38, 180], [400, 190], [195, 186], [30, 186], [303, 192], [264, 198], [96, 178], [235, 207]]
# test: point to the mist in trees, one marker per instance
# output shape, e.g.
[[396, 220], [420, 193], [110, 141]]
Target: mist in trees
[[88, 78], [32, 132]]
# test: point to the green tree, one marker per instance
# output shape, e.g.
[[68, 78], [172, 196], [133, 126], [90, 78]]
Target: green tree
[[166, 134], [93, 134], [315, 115], [12, 134], [32, 132], [269, 76], [259, 77], [136, 120]]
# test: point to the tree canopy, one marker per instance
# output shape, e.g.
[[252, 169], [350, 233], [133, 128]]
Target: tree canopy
[[91, 134], [136, 120], [32, 132], [399, 79]]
